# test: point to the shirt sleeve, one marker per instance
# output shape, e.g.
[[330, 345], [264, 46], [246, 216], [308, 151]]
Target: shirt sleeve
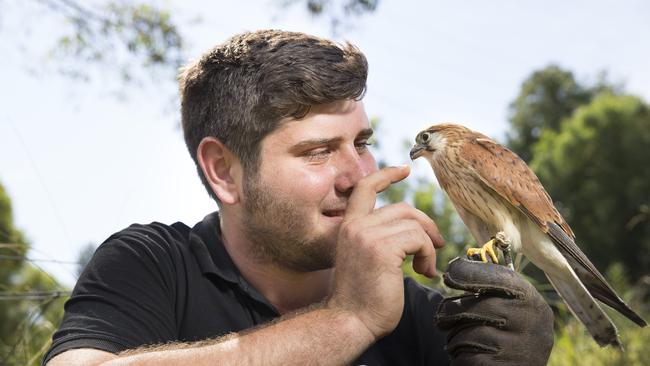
[[125, 297]]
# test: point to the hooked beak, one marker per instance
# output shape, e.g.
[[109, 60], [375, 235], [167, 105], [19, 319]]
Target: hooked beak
[[417, 151]]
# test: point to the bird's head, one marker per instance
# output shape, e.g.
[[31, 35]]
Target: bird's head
[[434, 140]]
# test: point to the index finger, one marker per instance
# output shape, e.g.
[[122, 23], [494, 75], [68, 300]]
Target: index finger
[[363, 197]]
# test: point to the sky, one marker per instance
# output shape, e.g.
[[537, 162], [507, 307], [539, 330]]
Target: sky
[[80, 162]]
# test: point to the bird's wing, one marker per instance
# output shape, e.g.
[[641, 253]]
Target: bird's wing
[[509, 176], [505, 173]]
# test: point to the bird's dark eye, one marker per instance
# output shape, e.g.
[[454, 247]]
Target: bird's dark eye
[[425, 136]]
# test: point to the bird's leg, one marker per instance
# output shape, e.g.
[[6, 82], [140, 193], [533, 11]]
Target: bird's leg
[[502, 242]]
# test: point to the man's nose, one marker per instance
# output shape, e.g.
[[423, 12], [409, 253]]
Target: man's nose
[[352, 167]]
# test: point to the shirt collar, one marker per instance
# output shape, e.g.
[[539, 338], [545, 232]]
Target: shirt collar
[[210, 253]]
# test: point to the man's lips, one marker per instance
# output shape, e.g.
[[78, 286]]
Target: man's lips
[[334, 213]]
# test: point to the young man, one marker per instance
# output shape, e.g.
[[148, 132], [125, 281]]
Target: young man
[[297, 267]]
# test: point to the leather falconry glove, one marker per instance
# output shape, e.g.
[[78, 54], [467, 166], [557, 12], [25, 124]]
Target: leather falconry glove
[[501, 320]]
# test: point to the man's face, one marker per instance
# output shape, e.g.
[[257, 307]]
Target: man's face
[[295, 204]]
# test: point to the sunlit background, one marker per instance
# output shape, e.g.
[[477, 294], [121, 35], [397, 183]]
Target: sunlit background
[[90, 140]]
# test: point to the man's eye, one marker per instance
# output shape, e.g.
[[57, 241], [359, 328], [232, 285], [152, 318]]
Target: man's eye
[[362, 145], [318, 153]]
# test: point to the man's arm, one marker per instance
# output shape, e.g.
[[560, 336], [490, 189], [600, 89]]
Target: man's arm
[[81, 356], [298, 340], [366, 303]]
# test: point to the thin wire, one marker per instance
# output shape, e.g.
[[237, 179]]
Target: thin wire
[[20, 258], [40, 178], [13, 246], [46, 273], [54, 280], [32, 295], [8, 234], [27, 321], [44, 254]]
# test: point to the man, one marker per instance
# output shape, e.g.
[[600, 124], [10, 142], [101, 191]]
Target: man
[[297, 267]]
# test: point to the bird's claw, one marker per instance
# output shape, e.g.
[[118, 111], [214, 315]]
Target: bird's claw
[[482, 253], [502, 242]]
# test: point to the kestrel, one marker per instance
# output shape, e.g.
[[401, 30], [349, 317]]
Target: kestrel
[[494, 191]]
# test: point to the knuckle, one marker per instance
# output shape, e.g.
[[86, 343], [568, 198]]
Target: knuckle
[[362, 236], [414, 233], [403, 206], [416, 229]]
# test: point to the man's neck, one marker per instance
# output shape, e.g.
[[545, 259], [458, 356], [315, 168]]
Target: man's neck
[[287, 290]]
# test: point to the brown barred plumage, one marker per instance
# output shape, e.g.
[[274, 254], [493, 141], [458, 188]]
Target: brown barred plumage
[[494, 190]]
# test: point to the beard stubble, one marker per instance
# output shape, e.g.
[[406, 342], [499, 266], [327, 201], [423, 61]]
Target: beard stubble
[[280, 232]]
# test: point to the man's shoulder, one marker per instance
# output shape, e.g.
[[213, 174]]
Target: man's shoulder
[[153, 244], [154, 234]]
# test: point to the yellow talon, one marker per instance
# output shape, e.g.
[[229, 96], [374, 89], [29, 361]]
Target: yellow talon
[[472, 252], [487, 248], [501, 241]]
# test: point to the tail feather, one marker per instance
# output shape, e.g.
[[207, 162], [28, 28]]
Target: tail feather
[[604, 292], [589, 275], [586, 309]]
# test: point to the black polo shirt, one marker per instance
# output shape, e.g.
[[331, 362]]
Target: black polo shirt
[[156, 283]]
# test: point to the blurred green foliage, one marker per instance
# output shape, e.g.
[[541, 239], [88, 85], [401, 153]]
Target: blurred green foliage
[[339, 13], [30, 307], [114, 34], [135, 38], [590, 147], [545, 99], [596, 168]]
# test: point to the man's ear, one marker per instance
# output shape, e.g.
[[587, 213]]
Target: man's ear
[[222, 169]]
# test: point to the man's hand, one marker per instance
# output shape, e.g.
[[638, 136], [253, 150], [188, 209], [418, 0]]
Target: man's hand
[[502, 321], [372, 244]]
